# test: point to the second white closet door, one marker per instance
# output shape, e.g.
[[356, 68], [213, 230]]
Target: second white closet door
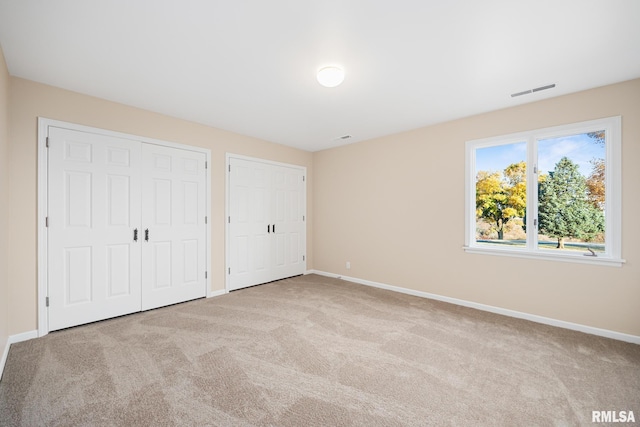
[[287, 213], [266, 222], [173, 218]]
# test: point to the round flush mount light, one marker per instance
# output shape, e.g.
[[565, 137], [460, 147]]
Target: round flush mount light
[[330, 76]]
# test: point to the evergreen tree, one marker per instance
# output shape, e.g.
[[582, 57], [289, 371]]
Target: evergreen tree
[[564, 209]]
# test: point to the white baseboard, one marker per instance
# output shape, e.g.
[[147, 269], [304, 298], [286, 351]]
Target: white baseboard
[[25, 336], [498, 310], [5, 354], [12, 340], [217, 293]]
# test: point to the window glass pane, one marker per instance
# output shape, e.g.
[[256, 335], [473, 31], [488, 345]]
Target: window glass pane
[[501, 195], [571, 193]]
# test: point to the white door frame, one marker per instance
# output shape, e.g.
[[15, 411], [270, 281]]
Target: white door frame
[[227, 207], [43, 130]]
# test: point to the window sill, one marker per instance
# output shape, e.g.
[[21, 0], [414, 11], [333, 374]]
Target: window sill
[[575, 258]]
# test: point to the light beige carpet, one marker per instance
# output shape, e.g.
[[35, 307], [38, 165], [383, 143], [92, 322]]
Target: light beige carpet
[[313, 351]]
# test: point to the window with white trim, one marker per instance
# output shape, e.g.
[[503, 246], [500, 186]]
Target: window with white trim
[[550, 193]]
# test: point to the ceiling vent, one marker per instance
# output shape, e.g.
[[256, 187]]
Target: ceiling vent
[[538, 89]]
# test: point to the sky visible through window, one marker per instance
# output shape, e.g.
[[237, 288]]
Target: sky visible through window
[[581, 149]]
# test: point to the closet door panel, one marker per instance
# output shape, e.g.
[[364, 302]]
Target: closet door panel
[[249, 223], [93, 211], [288, 195], [173, 214]]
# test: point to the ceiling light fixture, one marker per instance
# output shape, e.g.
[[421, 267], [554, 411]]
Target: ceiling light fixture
[[330, 76]]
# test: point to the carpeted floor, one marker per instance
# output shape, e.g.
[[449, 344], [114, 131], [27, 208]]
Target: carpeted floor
[[314, 351]]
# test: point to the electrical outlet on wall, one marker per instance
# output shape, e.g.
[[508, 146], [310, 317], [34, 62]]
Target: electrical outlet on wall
[[348, 265]]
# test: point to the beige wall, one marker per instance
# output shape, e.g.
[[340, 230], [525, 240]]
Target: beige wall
[[4, 201], [30, 100], [394, 208]]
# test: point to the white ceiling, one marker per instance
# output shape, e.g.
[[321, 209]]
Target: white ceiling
[[249, 66]]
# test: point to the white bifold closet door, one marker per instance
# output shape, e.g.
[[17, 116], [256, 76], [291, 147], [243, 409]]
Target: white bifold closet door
[[266, 224], [94, 210], [173, 218], [126, 228]]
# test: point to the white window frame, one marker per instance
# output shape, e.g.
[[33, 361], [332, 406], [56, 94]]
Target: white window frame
[[613, 190]]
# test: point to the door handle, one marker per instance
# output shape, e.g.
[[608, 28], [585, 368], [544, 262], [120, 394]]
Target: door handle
[[268, 228], [146, 235], [274, 228], [135, 235]]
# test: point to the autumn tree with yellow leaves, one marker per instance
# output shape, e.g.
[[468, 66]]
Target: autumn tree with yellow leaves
[[501, 197]]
